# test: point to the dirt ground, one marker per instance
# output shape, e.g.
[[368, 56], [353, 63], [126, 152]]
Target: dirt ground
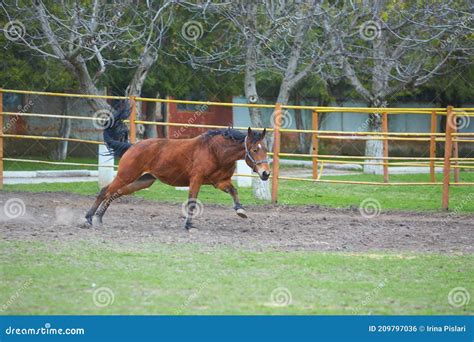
[[59, 217]]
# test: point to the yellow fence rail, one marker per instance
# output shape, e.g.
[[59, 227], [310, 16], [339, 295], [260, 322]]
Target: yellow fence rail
[[451, 138]]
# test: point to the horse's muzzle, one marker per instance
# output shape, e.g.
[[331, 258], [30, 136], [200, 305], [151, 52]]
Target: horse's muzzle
[[265, 175]]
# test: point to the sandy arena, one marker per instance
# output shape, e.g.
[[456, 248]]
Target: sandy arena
[[59, 217]]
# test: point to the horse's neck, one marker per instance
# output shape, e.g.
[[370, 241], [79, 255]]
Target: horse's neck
[[229, 151]]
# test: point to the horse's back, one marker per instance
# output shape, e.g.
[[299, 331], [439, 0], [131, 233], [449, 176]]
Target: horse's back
[[169, 160], [157, 145]]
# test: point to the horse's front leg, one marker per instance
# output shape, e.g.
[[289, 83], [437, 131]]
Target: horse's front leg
[[194, 187], [229, 188]]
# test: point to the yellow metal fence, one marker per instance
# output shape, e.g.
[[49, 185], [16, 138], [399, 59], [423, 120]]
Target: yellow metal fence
[[451, 139]]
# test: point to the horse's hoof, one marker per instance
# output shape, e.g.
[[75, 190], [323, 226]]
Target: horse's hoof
[[193, 230], [241, 212], [88, 220]]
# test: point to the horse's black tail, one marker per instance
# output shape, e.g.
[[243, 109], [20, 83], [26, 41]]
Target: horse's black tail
[[116, 132]]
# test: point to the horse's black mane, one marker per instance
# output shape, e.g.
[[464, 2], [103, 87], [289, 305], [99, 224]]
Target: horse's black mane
[[233, 134]]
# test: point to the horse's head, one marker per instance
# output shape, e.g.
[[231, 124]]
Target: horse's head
[[256, 153]]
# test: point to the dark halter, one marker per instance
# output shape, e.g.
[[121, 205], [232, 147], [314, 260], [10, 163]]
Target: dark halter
[[247, 155]]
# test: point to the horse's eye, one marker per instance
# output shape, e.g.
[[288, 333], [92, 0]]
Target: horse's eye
[[255, 150]]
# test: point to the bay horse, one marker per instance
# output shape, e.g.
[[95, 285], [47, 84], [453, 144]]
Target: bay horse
[[209, 158]]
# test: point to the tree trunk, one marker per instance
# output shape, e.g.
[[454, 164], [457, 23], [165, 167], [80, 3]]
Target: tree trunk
[[87, 86], [153, 114], [374, 148], [261, 189], [64, 132], [135, 87], [284, 92], [60, 153]]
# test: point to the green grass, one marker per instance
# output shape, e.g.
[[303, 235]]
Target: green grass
[[27, 166], [298, 193], [40, 278], [152, 278]]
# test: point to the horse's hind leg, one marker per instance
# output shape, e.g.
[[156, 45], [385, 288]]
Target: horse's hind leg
[[118, 189], [100, 198]]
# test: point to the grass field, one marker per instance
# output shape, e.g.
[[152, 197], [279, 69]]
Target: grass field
[[63, 278], [187, 279], [297, 193], [28, 166]]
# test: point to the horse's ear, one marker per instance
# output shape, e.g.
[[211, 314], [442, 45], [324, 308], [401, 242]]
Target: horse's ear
[[263, 134], [249, 133]]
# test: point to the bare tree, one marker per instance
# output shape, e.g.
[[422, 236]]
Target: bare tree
[[264, 36], [88, 38], [294, 47], [238, 48], [384, 47], [288, 45]]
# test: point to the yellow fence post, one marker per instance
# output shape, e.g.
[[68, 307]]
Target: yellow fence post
[[1, 140], [448, 146], [434, 124], [385, 146], [133, 118], [315, 143], [276, 152]]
